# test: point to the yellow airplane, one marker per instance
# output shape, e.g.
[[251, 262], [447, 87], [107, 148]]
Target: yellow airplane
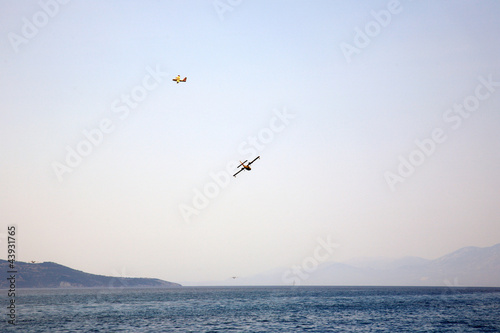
[[178, 79], [245, 167]]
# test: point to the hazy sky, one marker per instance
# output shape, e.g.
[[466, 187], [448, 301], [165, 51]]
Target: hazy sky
[[377, 123]]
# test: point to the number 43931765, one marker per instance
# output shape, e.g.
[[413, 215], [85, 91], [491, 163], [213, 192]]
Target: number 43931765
[[11, 247]]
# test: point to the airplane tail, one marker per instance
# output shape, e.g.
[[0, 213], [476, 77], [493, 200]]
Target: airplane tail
[[185, 79]]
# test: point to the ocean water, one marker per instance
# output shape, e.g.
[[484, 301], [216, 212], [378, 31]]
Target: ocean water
[[257, 309]]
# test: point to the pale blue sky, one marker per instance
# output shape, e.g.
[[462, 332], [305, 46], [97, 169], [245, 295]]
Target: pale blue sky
[[323, 173]]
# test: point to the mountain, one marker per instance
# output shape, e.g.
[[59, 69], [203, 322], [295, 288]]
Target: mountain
[[386, 263], [52, 275], [469, 266]]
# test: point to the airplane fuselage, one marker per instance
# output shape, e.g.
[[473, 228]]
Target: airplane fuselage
[[246, 166]]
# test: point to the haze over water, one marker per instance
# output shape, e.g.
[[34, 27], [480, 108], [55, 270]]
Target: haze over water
[[376, 122]]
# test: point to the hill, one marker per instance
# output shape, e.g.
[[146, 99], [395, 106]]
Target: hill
[[52, 275]]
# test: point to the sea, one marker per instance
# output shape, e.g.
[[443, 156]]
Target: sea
[[256, 309]]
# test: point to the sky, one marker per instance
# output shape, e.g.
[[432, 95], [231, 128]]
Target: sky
[[377, 125]]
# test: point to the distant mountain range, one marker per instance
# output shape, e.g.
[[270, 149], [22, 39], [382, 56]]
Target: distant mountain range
[[52, 275], [469, 266]]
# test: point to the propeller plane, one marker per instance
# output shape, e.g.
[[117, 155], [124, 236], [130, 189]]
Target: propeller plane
[[244, 166], [178, 79]]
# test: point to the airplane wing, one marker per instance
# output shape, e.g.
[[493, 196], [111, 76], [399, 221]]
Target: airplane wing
[[238, 172], [254, 160], [241, 163]]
